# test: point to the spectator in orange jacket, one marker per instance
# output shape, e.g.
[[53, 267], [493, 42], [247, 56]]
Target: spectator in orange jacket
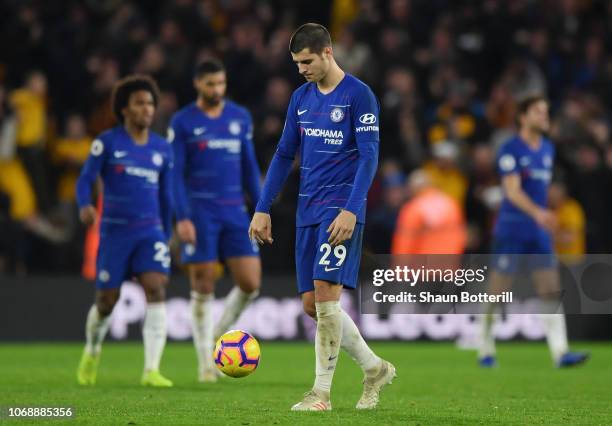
[[431, 222]]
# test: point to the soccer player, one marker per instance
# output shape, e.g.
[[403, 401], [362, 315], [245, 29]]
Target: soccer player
[[135, 166], [523, 226], [332, 122], [215, 165]]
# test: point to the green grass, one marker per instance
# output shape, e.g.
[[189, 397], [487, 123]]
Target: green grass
[[437, 384]]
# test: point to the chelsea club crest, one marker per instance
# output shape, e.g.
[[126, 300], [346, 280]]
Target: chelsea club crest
[[336, 115]]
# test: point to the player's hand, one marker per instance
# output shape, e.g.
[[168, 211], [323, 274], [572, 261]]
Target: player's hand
[[260, 229], [186, 231], [546, 219], [341, 229], [88, 215]]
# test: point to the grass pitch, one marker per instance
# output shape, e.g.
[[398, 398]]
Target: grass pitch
[[437, 384]]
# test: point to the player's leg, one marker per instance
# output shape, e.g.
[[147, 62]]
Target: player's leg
[[202, 277], [154, 329], [96, 327], [150, 263], [246, 273], [352, 341], [498, 283], [203, 267], [548, 286], [112, 263]]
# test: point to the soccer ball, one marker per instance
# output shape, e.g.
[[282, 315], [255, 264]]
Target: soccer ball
[[237, 353]]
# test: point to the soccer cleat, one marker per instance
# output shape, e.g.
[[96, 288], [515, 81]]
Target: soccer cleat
[[155, 379], [209, 375], [372, 386], [572, 359], [488, 361], [314, 400], [88, 369]]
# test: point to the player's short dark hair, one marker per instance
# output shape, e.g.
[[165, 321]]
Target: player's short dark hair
[[524, 104], [208, 66], [125, 87], [314, 37]]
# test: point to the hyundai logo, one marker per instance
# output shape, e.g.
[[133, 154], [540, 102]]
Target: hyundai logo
[[368, 118]]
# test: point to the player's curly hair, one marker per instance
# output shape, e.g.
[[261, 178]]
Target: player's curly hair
[[126, 86], [314, 37]]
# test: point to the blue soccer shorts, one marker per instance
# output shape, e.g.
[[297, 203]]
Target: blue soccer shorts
[[216, 240], [513, 252], [316, 259], [122, 257]]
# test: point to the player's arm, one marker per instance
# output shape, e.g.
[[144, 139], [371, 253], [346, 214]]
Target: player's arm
[[87, 179], [166, 200], [250, 169], [184, 226], [364, 118], [260, 229], [511, 184]]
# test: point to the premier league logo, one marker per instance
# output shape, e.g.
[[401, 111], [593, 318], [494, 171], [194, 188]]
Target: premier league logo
[[157, 159], [336, 115]]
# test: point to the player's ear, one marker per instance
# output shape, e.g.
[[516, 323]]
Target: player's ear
[[328, 52]]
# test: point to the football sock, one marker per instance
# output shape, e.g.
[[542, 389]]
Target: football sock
[[554, 326], [235, 302], [96, 328], [327, 343], [154, 334], [486, 344], [353, 343], [202, 327]]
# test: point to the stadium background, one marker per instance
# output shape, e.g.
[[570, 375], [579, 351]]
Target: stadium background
[[447, 74]]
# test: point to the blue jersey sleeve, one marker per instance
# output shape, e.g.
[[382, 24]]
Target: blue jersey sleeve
[[166, 200], [177, 138], [90, 172], [507, 162], [365, 119], [250, 169], [281, 162]]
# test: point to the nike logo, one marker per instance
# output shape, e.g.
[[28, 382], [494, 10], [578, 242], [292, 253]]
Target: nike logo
[[301, 112], [120, 154], [199, 130], [330, 269], [331, 358]]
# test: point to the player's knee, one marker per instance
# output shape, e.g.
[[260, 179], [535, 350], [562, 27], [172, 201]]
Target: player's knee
[[105, 302], [250, 284], [154, 285], [203, 279], [310, 308]]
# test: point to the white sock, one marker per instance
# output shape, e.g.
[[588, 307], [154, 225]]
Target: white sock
[[554, 325], [154, 334], [235, 302], [486, 344], [95, 330], [327, 343], [353, 343], [202, 327]]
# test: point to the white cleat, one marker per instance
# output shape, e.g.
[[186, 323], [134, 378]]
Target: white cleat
[[314, 400], [208, 375], [373, 384]]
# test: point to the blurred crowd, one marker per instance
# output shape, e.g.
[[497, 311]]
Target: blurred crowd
[[447, 73]]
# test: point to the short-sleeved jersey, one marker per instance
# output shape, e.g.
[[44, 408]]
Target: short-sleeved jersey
[[137, 182], [328, 131], [215, 162], [535, 168]]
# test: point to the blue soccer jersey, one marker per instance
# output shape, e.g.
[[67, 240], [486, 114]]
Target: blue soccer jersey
[[215, 166], [336, 136], [137, 209], [215, 163], [535, 168]]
